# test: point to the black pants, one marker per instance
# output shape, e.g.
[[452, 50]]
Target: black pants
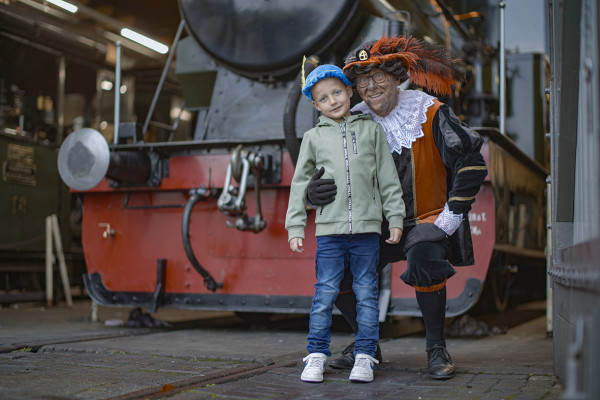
[[427, 270]]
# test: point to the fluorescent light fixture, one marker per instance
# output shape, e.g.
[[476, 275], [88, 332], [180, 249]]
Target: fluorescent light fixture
[[177, 112], [144, 41], [63, 4], [106, 85]]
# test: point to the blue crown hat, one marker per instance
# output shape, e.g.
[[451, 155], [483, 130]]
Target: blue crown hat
[[320, 73]]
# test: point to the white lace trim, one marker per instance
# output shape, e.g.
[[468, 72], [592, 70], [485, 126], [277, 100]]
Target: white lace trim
[[448, 221], [402, 126]]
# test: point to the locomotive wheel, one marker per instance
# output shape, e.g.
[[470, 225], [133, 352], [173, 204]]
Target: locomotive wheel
[[496, 294], [501, 281]]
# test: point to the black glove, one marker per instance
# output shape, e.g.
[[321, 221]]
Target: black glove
[[424, 232], [321, 191]]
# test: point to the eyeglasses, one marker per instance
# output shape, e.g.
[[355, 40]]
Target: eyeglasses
[[363, 80]]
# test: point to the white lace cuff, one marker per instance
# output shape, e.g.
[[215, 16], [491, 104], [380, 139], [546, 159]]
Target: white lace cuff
[[448, 221]]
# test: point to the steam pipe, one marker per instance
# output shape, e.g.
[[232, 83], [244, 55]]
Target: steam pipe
[[117, 89], [291, 105], [163, 76], [502, 127], [60, 99], [195, 196], [457, 24]]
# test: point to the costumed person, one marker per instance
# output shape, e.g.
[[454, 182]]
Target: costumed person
[[350, 149], [438, 160]]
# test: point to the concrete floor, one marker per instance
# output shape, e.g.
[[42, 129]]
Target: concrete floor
[[58, 353]]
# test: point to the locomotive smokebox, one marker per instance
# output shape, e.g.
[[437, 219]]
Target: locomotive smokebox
[[267, 38]]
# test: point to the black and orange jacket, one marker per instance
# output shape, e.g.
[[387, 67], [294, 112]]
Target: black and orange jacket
[[443, 166]]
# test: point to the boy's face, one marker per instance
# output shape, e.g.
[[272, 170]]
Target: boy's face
[[332, 98]]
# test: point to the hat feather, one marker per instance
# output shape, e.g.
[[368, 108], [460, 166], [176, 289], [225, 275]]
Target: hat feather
[[430, 66]]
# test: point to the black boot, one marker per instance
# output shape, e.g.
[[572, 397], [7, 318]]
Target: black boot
[[440, 364], [346, 360], [433, 307]]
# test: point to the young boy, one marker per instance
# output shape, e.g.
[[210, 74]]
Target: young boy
[[351, 149]]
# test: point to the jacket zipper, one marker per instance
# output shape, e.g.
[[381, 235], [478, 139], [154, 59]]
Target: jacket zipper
[[354, 142], [374, 202], [343, 128]]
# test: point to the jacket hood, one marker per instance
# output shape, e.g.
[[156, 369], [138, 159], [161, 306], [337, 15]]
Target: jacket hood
[[326, 121]]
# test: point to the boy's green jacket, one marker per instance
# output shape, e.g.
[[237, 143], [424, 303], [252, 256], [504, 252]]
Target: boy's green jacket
[[367, 185]]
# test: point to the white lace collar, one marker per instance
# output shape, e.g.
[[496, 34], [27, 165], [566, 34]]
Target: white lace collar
[[402, 126]]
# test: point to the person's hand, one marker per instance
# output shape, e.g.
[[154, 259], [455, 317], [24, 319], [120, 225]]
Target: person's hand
[[395, 235], [424, 232], [321, 191], [296, 245]]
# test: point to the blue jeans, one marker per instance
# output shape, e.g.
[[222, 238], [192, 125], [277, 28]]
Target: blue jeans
[[362, 253]]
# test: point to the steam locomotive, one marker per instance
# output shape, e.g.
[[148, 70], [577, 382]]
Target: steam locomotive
[[198, 223]]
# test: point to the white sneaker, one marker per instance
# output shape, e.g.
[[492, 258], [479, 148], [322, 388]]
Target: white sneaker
[[363, 368], [314, 365]]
